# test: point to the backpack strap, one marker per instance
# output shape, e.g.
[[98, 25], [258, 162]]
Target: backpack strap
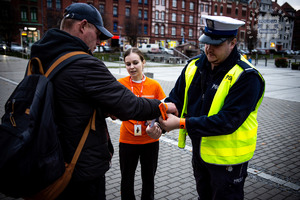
[[63, 61], [90, 126]]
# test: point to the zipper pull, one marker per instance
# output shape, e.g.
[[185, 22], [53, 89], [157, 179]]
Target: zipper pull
[[12, 120]]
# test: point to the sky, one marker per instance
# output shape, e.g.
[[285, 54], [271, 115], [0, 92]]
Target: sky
[[294, 3]]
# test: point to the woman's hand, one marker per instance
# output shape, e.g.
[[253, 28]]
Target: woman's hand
[[154, 131]]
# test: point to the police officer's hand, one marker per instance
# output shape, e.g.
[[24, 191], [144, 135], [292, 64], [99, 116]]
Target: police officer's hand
[[154, 131], [172, 109], [171, 123]]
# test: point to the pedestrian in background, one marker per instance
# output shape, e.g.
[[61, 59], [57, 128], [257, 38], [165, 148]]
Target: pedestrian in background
[[80, 88], [250, 59], [218, 95], [135, 144]]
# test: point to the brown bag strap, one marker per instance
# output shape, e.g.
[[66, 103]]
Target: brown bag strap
[[30, 66], [61, 59], [54, 65], [91, 125]]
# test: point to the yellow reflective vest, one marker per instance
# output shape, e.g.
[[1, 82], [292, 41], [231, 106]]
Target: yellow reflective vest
[[230, 149]]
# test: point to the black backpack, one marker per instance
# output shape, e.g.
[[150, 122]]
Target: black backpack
[[30, 153]]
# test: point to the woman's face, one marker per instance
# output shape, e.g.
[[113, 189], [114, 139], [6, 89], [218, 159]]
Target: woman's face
[[134, 66]]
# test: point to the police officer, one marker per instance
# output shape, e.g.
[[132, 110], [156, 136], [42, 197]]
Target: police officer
[[218, 94]]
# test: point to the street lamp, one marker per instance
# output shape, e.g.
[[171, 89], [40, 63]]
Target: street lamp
[[121, 56], [120, 42]]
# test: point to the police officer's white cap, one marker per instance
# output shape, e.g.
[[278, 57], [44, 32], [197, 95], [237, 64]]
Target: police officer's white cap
[[219, 28]]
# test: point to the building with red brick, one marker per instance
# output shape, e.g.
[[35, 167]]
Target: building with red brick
[[166, 22]]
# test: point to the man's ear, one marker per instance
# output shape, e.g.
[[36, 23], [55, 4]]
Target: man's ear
[[83, 25]]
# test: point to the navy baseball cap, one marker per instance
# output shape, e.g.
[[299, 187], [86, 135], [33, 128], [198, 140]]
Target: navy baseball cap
[[81, 11], [219, 28]]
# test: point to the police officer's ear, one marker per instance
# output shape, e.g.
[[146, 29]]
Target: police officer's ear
[[232, 43]]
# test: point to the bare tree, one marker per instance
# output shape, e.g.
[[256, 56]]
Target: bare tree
[[252, 39], [8, 21], [132, 31]]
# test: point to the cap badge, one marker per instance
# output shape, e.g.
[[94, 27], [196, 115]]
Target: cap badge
[[210, 24]]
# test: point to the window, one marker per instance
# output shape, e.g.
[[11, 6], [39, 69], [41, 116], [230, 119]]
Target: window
[[182, 32], [101, 8], [201, 22], [183, 4], [229, 9], [115, 27], [221, 10], [162, 30], [190, 32], [191, 5], [145, 29], [24, 14], [115, 11], [206, 8], [163, 2], [140, 1], [156, 14], [191, 19], [49, 3], [242, 35], [146, 2], [127, 12], [140, 14], [33, 14], [236, 11], [174, 3], [58, 4], [173, 31], [254, 5], [173, 17], [182, 18], [156, 29], [202, 7], [145, 14], [157, 2], [163, 15], [244, 10], [140, 29], [216, 9]]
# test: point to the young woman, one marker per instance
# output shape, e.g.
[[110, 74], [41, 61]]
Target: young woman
[[135, 143]]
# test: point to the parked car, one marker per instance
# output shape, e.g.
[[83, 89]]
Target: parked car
[[166, 50], [101, 49], [16, 47], [149, 48], [3, 47], [244, 51]]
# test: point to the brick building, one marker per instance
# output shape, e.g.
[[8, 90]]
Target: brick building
[[167, 22]]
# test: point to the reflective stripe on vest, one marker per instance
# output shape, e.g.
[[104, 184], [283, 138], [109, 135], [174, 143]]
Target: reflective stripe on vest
[[239, 146], [189, 75]]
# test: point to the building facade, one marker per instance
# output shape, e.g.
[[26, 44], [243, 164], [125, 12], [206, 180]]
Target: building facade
[[166, 22]]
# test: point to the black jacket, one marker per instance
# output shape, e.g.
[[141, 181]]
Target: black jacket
[[81, 87], [239, 103]]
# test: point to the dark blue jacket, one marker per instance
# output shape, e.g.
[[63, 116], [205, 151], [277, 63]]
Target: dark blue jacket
[[239, 103]]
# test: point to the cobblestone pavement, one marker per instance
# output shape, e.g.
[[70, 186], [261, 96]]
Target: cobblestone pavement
[[274, 171]]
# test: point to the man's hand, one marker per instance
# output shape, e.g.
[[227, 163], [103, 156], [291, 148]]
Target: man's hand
[[172, 108], [171, 123], [154, 131]]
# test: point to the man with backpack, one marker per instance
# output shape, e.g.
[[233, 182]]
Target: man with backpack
[[79, 88]]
